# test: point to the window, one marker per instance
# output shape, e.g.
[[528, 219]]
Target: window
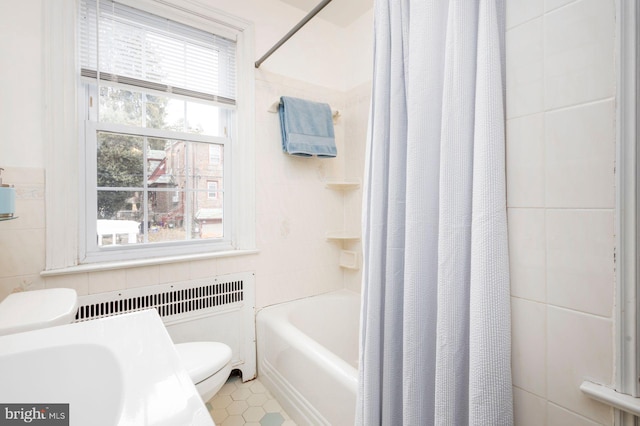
[[215, 154], [158, 105], [212, 187]]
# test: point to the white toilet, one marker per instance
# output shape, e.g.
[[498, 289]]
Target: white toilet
[[208, 363]]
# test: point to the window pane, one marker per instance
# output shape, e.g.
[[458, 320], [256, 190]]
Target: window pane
[[119, 205], [163, 112], [160, 172], [119, 160], [183, 215], [208, 183], [119, 214], [204, 119], [208, 215], [204, 169], [184, 190], [166, 217], [120, 106]]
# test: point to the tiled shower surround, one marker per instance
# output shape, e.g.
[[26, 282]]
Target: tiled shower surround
[[560, 179]]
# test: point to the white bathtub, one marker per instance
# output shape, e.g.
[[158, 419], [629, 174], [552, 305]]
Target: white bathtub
[[308, 354]]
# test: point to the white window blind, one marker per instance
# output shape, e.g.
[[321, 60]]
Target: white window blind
[[125, 45]]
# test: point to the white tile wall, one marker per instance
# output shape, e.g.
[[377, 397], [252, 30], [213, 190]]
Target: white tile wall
[[529, 409], [78, 282], [22, 239], [580, 153], [141, 277], [22, 251], [580, 270], [527, 253], [172, 272], [107, 281], [525, 69], [560, 197], [549, 5], [294, 210], [558, 416], [578, 53], [526, 161], [357, 119], [579, 345], [529, 341], [520, 11]]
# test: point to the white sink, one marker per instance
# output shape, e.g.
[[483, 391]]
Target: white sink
[[122, 370]]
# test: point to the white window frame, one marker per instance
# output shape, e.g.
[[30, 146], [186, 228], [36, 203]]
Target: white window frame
[[90, 251], [624, 394], [627, 209], [65, 188]]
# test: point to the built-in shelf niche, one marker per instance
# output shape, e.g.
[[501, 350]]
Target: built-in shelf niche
[[348, 259], [342, 236], [342, 184]]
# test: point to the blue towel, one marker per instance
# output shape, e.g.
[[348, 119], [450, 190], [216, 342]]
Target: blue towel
[[307, 128]]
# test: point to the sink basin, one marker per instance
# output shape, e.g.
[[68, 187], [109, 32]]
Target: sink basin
[[122, 370]]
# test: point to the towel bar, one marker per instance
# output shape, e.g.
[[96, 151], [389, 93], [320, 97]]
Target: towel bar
[[611, 397], [274, 108]]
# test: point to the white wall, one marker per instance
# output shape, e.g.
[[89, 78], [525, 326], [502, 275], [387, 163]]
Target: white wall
[[21, 146], [21, 103], [359, 58], [320, 53], [294, 210], [560, 178]]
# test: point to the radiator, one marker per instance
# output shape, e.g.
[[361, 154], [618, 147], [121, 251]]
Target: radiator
[[220, 309]]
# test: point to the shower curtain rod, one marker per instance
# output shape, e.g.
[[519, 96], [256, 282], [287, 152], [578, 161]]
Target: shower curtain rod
[[294, 30]]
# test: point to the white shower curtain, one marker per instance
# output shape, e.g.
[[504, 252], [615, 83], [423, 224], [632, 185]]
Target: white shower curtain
[[435, 333]]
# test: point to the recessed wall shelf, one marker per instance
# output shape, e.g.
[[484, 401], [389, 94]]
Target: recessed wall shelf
[[342, 184], [342, 236], [348, 258]]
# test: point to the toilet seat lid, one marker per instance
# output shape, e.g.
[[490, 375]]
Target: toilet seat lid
[[203, 359], [31, 310]]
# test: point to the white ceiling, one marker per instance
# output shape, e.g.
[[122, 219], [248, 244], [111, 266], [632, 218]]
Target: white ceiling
[[338, 12]]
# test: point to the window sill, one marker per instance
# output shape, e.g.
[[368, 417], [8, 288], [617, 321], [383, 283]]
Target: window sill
[[611, 397], [106, 266]]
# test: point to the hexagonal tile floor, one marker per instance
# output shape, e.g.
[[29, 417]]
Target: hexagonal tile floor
[[249, 404]]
